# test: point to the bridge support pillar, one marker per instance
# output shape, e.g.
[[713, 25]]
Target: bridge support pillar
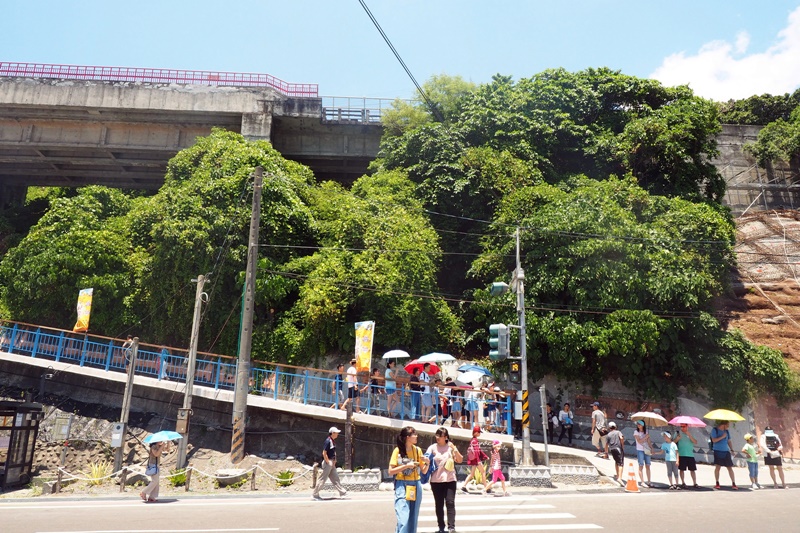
[[257, 126], [12, 195]]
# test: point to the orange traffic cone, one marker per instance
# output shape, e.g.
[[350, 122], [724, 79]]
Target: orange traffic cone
[[631, 486]]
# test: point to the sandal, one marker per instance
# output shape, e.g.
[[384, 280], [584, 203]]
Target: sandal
[[142, 496], [672, 487]]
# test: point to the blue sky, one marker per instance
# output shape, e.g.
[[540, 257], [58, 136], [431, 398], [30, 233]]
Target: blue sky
[[722, 48]]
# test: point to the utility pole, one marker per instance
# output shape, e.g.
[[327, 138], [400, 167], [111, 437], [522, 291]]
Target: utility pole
[[246, 330], [126, 400], [185, 414], [518, 285]]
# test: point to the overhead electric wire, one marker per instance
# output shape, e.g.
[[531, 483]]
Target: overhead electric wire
[[431, 105]]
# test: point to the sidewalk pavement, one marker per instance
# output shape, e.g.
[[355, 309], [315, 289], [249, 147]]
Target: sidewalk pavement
[[658, 470]]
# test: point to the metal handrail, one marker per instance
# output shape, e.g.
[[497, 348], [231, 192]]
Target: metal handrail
[[156, 75], [309, 386]]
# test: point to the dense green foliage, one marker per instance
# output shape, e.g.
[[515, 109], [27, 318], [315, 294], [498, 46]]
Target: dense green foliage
[[759, 110], [778, 141], [623, 240]]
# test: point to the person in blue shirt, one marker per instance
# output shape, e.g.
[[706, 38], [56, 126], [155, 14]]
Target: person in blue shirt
[[721, 444]]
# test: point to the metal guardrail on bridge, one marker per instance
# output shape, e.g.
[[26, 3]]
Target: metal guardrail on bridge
[[157, 75], [354, 109], [308, 386]]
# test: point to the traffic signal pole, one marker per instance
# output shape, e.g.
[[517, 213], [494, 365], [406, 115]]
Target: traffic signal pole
[[518, 283]]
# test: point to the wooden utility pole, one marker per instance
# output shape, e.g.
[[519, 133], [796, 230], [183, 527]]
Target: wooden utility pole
[[130, 358], [246, 330], [184, 415]]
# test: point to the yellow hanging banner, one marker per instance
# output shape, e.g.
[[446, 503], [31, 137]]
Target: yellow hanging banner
[[365, 332], [84, 310]]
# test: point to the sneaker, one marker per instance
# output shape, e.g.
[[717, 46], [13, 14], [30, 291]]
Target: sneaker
[[506, 493], [316, 497], [672, 487], [464, 490], [754, 486], [734, 487], [716, 486]]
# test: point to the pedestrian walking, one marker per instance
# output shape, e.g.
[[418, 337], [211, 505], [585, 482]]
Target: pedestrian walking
[[644, 449], [353, 392], [723, 449], [337, 387], [416, 391], [565, 419], [391, 386], [374, 386], [615, 446], [406, 464], [671, 459], [496, 466], [552, 423], [475, 458], [150, 492], [427, 392], [686, 460], [772, 449], [443, 479], [329, 466], [598, 429], [752, 451]]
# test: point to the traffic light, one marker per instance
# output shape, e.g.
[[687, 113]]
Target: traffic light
[[513, 372], [498, 342]]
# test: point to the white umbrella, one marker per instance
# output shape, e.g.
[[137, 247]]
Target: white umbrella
[[471, 376], [395, 354], [649, 418], [436, 357]]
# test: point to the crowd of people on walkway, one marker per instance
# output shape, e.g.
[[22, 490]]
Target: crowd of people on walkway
[[422, 397]]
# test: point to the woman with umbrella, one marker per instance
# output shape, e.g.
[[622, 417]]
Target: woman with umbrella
[[644, 449], [157, 448], [391, 385]]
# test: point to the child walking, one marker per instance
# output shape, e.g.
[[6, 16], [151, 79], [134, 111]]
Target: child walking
[[752, 451], [475, 457], [671, 459], [497, 472]]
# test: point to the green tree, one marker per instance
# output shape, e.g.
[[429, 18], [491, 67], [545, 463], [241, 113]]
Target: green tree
[[759, 110], [778, 141]]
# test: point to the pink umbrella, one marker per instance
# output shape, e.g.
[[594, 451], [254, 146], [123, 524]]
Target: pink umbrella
[[434, 369], [684, 420]]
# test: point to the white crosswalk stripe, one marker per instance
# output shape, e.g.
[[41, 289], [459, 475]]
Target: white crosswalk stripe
[[512, 513]]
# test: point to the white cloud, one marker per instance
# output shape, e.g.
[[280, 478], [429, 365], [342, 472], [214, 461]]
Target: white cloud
[[721, 70]]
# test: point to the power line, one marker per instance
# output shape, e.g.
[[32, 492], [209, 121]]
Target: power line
[[433, 108]]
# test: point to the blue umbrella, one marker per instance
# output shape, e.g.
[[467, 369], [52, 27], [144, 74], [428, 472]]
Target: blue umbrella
[[474, 368], [162, 436]]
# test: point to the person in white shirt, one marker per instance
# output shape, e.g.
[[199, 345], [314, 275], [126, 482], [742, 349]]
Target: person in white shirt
[[352, 387], [427, 395], [772, 448]]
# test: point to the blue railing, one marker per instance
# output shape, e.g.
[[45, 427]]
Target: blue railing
[[308, 386]]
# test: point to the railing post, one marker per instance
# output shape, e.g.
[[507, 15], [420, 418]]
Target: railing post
[[509, 415], [36, 342], [13, 338], [276, 373], [219, 371], [305, 387], [110, 354], [83, 350], [60, 347]]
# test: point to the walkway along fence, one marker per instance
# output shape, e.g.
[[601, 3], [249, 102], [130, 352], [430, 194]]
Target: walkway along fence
[[305, 385]]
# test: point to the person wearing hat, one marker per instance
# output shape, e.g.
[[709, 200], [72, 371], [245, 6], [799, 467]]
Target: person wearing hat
[[773, 450], [615, 445], [671, 459], [598, 429], [329, 466], [497, 470], [475, 458], [723, 450], [752, 452]]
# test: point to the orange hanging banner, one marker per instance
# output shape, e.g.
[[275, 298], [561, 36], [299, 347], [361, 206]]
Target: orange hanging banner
[[84, 310]]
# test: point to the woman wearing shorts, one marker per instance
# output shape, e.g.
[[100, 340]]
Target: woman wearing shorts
[[644, 449], [721, 444]]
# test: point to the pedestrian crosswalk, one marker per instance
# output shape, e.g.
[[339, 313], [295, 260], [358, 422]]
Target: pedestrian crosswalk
[[476, 514]]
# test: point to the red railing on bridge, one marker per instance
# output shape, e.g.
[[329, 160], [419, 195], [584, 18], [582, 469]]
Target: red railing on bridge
[[155, 75]]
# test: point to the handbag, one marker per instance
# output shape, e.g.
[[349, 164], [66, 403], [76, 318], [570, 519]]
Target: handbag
[[647, 450], [151, 470], [450, 465]]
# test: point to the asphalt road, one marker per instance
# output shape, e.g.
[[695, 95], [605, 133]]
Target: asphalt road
[[686, 511]]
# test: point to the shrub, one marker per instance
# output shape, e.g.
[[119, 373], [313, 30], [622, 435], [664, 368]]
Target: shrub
[[285, 478], [98, 470]]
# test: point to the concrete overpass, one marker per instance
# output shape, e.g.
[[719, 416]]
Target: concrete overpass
[[72, 126]]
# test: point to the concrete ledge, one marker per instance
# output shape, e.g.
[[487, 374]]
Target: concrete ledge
[[361, 481], [574, 474], [529, 476]]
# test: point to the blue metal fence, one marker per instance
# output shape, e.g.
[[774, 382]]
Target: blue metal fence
[[308, 386]]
